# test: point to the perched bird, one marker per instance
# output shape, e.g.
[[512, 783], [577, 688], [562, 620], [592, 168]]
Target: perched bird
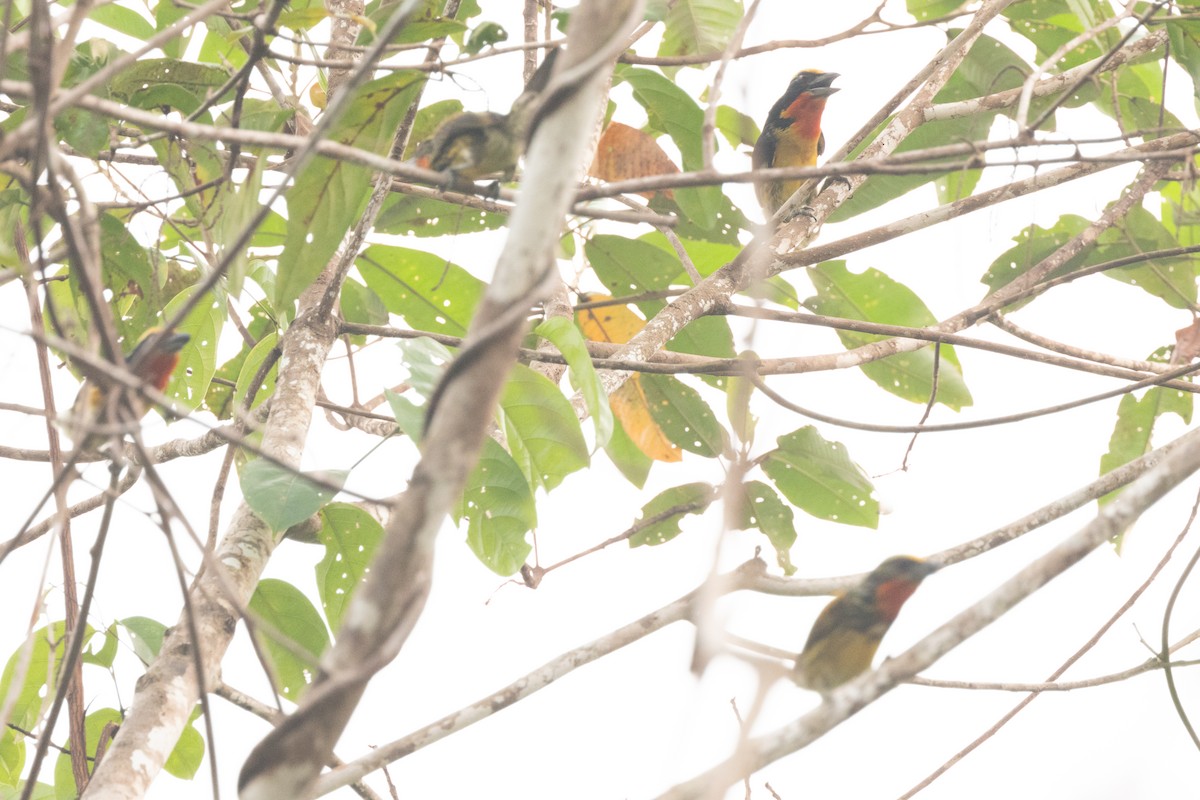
[[847, 632], [152, 361], [483, 145], [792, 135]]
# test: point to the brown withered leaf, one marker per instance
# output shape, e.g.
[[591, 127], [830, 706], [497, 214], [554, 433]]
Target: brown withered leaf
[[625, 152], [1187, 343]]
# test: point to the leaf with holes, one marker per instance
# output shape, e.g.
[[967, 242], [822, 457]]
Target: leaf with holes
[[874, 297], [286, 610], [350, 536], [675, 503], [330, 194], [498, 506], [818, 476], [429, 292], [683, 416], [761, 508]]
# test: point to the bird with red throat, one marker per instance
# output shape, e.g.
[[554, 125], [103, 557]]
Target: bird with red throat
[[847, 633], [791, 136]]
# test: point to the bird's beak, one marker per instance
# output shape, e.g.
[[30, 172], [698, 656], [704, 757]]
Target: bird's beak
[[823, 87]]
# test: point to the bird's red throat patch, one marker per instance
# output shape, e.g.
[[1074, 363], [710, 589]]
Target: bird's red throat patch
[[805, 114], [891, 595]]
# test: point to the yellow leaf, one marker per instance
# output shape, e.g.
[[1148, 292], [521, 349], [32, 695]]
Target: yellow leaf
[[614, 324], [629, 405], [617, 325]]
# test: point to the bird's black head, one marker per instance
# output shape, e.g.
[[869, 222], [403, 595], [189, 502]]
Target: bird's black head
[[812, 81]]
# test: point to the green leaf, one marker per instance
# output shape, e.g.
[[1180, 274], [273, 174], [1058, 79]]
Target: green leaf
[[192, 163], [427, 22], [146, 635], [632, 266], [1131, 436], [410, 417], [762, 509], [350, 536], [409, 215], [426, 360], [141, 84], [303, 19], [167, 13], [1032, 247], [683, 416], [93, 726], [129, 274], [38, 683], [429, 292], [498, 506], [107, 653], [691, 498], [818, 477], [289, 612], [187, 755], [83, 130], [737, 405], [1139, 100], [543, 432], [1185, 49], [570, 342], [673, 111], [707, 257], [486, 34], [739, 129], [699, 27], [362, 305], [198, 359], [930, 9], [330, 195], [1173, 280], [627, 457], [122, 20], [251, 366], [989, 67], [41, 791], [219, 397], [12, 762], [233, 209], [730, 221], [874, 297], [222, 45], [1050, 24], [281, 497]]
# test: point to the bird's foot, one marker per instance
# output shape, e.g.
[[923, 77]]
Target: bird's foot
[[800, 211], [832, 179]]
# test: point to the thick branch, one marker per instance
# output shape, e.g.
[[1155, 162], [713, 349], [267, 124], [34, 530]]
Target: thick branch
[[388, 604]]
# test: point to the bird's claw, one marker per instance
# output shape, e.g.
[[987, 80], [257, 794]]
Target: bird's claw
[[832, 179], [800, 211]]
